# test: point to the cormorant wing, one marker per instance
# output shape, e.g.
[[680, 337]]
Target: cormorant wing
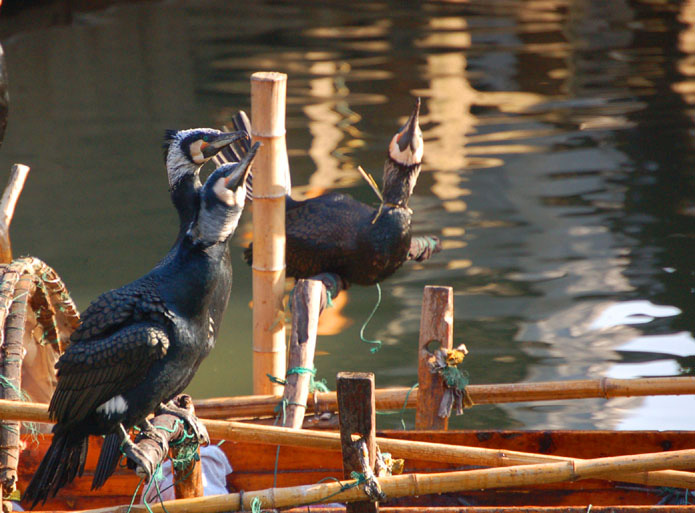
[[323, 233], [114, 309], [93, 372]]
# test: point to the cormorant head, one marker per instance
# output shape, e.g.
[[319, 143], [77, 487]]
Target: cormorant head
[[222, 200], [186, 150], [407, 146], [402, 167]]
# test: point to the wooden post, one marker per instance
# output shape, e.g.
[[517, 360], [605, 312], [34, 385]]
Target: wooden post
[[357, 421], [436, 324], [168, 439], [7, 206], [306, 309], [308, 302], [188, 481], [268, 91]]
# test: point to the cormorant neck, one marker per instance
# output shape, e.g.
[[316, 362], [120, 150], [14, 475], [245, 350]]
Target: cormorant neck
[[186, 200], [399, 182]]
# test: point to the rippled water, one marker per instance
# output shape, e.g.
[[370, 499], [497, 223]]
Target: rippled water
[[558, 172]]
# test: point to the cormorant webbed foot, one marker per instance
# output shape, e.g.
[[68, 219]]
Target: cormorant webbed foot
[[182, 407]]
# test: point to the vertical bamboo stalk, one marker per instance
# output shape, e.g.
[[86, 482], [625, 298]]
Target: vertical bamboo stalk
[[7, 206], [12, 356], [436, 324], [357, 418], [268, 91], [308, 300]]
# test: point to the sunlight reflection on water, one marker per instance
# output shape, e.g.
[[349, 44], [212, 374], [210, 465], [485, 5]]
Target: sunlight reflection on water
[[557, 150]]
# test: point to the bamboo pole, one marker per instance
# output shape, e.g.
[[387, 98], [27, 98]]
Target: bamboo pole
[[12, 357], [268, 91], [436, 325], [456, 454], [8, 202], [357, 419], [395, 398], [422, 484], [308, 300]]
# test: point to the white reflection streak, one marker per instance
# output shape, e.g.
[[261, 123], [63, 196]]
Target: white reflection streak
[[450, 96], [323, 125]]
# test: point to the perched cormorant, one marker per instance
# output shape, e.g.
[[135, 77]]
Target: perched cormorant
[[336, 233], [185, 152], [139, 346]]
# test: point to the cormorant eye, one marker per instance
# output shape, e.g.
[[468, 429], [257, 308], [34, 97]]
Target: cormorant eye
[[206, 138]]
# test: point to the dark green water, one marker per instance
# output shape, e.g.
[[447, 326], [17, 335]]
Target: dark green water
[[558, 172]]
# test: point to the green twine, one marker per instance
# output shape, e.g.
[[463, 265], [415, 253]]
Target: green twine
[[135, 494], [24, 397], [359, 479], [255, 505], [377, 343], [329, 290], [403, 409], [314, 385]]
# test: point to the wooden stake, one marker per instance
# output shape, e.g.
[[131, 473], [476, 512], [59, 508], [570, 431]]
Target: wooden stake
[[8, 202], [395, 398], [268, 91], [188, 481], [357, 429], [464, 455], [436, 325], [422, 484], [308, 300]]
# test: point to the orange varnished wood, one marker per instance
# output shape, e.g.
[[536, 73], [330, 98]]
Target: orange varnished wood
[[254, 470]]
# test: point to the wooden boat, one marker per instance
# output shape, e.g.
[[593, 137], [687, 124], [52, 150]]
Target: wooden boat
[[254, 469]]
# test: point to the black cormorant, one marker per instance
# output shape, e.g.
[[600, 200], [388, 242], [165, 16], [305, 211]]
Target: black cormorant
[[139, 346], [185, 152], [336, 233]]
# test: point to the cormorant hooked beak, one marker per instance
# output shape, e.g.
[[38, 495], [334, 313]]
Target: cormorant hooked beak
[[219, 141], [241, 170], [407, 133]]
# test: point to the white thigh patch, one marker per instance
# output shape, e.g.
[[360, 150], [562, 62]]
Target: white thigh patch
[[114, 406]]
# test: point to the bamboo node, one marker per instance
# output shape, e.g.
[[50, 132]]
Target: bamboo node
[[603, 387], [269, 196], [268, 269], [269, 134]]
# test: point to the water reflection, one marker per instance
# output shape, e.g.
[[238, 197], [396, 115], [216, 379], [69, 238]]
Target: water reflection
[[557, 172]]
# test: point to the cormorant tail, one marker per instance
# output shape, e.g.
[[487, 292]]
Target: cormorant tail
[[63, 461], [108, 460]]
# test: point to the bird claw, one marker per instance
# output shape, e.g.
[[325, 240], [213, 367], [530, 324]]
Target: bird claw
[[182, 407]]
